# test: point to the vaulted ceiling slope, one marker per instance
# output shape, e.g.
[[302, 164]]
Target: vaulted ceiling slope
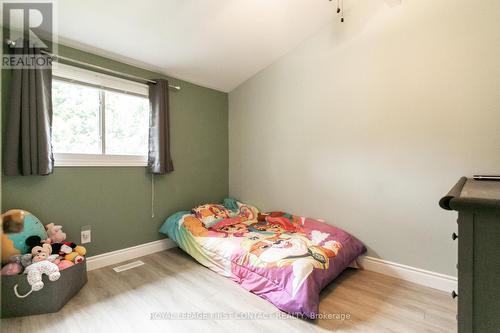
[[214, 43]]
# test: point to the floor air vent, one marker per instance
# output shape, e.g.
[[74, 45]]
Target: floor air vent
[[125, 267]]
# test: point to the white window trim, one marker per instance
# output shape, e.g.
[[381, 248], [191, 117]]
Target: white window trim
[[106, 82], [92, 160]]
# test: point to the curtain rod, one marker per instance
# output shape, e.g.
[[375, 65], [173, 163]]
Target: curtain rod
[[86, 64]]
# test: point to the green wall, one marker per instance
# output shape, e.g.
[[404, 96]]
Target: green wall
[[116, 201]]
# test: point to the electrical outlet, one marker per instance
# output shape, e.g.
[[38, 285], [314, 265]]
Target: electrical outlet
[[85, 235]]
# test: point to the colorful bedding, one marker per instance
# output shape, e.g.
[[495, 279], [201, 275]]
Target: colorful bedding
[[282, 258]]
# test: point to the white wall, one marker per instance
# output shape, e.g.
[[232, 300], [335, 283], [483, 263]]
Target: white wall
[[370, 122]]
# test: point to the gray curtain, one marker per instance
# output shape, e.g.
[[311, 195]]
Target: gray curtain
[[159, 159], [28, 149]]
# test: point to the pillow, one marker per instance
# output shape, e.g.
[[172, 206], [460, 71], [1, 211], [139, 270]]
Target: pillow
[[210, 214], [231, 204], [247, 212]]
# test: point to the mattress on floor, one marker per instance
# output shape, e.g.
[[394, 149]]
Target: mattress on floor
[[286, 259]]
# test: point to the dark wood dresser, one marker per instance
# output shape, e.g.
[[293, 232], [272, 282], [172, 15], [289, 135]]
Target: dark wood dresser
[[478, 207]]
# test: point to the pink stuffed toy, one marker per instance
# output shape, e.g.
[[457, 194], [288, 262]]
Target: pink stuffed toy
[[63, 264], [12, 268], [55, 233]]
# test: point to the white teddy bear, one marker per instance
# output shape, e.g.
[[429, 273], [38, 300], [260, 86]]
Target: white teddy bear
[[41, 265], [36, 270]]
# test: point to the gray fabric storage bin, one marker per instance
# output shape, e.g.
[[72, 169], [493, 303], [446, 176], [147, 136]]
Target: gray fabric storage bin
[[51, 298]]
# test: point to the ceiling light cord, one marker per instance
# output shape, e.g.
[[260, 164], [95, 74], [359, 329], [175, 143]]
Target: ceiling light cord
[[340, 9]]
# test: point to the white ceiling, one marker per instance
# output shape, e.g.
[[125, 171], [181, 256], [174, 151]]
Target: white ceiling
[[214, 43]]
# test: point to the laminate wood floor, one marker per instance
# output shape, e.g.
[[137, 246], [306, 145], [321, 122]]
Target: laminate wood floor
[[171, 281]]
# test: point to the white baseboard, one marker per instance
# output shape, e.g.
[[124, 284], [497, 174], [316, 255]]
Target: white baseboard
[[412, 274], [115, 257]]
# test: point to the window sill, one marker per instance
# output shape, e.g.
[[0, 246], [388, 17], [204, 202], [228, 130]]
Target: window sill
[[90, 160]]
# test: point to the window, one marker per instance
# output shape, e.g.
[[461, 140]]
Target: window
[[98, 120]]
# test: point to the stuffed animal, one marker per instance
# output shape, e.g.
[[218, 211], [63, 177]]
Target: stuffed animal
[[63, 264], [23, 261], [55, 234], [63, 248], [35, 272], [26, 259], [41, 252], [14, 267], [17, 226], [41, 265], [53, 258], [12, 221], [34, 242], [77, 256]]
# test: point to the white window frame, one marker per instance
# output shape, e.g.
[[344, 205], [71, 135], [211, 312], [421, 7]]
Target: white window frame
[[102, 82]]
